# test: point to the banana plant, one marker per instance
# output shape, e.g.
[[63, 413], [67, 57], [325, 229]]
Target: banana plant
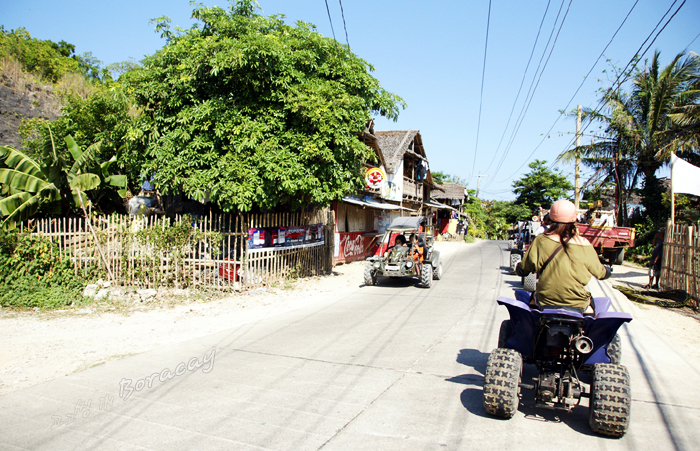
[[27, 184]]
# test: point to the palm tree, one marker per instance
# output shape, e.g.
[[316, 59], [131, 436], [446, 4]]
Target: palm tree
[[661, 115]]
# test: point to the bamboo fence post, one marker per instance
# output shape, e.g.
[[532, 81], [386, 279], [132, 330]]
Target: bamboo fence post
[[688, 259]]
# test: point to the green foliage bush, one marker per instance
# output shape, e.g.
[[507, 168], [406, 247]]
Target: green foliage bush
[[33, 275], [47, 59]]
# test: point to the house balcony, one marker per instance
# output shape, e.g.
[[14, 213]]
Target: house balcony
[[412, 191]]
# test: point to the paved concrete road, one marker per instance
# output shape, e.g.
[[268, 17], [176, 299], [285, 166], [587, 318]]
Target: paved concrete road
[[393, 367]]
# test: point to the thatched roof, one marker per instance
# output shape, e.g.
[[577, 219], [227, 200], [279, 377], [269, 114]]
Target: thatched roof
[[370, 140], [452, 191], [394, 144]]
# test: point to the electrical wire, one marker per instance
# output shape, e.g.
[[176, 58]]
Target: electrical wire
[[637, 57], [522, 82], [330, 20], [483, 73], [342, 13], [602, 53], [533, 85]]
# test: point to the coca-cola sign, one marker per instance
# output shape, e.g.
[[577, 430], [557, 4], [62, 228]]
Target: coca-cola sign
[[352, 244]]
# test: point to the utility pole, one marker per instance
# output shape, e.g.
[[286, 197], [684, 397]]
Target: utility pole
[[478, 181], [577, 189]]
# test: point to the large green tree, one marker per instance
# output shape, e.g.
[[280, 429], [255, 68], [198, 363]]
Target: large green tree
[[541, 186], [253, 112]]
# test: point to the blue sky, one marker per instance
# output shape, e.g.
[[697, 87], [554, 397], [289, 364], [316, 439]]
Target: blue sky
[[432, 55]]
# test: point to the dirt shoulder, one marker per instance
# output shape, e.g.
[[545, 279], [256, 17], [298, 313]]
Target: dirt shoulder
[[42, 346], [680, 325]]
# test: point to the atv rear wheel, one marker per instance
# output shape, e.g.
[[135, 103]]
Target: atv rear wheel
[[505, 333], [615, 349], [611, 400], [426, 275], [370, 274], [501, 382], [437, 271], [514, 260], [530, 282]]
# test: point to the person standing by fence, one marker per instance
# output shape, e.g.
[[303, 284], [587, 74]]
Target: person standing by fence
[[655, 260]]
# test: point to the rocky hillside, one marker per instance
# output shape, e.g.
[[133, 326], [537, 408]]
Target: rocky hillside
[[23, 98]]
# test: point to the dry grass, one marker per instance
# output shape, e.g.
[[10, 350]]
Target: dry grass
[[75, 84], [12, 74]]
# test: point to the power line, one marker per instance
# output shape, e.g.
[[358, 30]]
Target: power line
[[522, 82], [330, 20], [617, 81], [533, 85], [638, 56], [577, 90], [342, 13], [483, 73]]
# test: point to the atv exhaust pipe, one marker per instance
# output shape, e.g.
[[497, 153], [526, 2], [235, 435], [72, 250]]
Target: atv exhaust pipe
[[583, 345]]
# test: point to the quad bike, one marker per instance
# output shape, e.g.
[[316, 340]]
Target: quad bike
[[566, 347], [424, 264], [524, 237]]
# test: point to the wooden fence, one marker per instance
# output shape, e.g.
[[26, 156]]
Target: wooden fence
[[215, 256], [681, 261]]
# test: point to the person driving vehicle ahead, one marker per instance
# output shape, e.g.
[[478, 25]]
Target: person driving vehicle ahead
[[563, 276]]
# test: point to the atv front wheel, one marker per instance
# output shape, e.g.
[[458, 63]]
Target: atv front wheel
[[501, 382], [514, 260], [426, 275], [611, 400], [437, 271], [505, 333], [370, 274]]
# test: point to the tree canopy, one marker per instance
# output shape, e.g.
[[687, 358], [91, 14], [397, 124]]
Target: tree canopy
[[253, 112], [541, 186], [47, 59]]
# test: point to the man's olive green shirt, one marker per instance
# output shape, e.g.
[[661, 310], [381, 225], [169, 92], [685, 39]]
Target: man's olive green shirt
[[564, 279]]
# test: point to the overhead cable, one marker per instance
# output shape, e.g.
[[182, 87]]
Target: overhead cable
[[483, 73]]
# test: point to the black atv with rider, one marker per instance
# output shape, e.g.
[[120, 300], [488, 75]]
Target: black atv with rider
[[524, 236], [404, 251]]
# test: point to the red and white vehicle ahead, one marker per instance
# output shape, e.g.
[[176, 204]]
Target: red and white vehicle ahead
[[609, 240]]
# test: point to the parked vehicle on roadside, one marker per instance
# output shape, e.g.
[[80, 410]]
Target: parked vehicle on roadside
[[576, 357], [415, 259]]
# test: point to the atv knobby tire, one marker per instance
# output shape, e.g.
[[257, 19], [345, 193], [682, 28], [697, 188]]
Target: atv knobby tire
[[437, 271], [530, 282], [514, 260], [505, 333], [426, 275], [611, 400], [370, 274], [501, 382], [615, 350]]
